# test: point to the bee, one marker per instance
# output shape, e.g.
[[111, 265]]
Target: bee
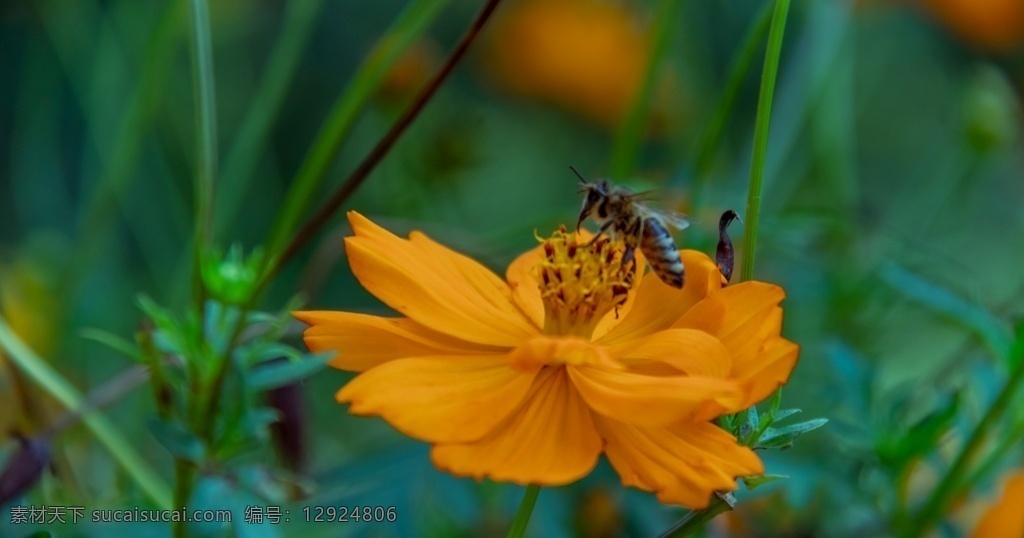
[[624, 214]]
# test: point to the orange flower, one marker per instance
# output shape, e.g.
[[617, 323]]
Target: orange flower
[[529, 380], [587, 56], [1005, 518], [993, 25]]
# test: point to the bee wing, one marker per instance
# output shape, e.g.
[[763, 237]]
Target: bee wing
[[671, 219]]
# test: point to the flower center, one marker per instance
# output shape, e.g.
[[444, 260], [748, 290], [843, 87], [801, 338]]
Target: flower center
[[580, 283]]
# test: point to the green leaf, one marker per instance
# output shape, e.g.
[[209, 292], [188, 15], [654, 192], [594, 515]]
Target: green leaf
[[992, 332], [178, 440], [783, 414], [114, 342], [922, 438], [753, 482], [776, 403], [285, 372], [783, 437]]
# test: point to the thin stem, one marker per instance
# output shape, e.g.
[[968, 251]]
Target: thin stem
[[206, 120], [384, 146], [631, 132], [409, 25], [696, 519], [761, 128], [953, 481], [525, 511], [206, 142], [64, 392], [184, 478], [711, 136], [246, 150]]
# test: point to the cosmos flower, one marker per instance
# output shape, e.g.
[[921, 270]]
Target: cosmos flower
[[587, 56], [530, 379], [990, 25], [1004, 517]]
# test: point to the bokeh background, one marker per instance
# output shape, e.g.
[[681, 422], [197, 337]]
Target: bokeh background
[[892, 216]]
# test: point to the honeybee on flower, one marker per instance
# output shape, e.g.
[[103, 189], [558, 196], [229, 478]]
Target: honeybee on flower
[[625, 215]]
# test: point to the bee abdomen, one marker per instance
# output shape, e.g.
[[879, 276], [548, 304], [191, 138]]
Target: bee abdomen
[[662, 254]]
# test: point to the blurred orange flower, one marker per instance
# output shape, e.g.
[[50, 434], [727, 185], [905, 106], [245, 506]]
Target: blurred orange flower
[[587, 56], [530, 379], [992, 25], [1005, 518]]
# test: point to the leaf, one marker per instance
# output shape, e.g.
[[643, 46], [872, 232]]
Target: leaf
[[285, 372], [114, 342], [992, 332], [782, 437], [785, 413], [923, 436], [753, 482], [178, 440]]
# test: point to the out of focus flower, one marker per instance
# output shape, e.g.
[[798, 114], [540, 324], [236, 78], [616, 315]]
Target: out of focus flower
[[28, 306], [1005, 518], [991, 25], [587, 56], [530, 379], [410, 73]]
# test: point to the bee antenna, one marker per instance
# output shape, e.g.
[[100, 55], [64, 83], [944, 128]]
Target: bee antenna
[[578, 174]]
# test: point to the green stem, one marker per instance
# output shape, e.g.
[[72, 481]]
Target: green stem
[[631, 131], [206, 120], [711, 136], [761, 128], [184, 479], [409, 25], [64, 392], [696, 519], [206, 142], [525, 511], [953, 481], [383, 147], [246, 150]]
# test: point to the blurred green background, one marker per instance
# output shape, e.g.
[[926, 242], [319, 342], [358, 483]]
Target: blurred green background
[[892, 217]]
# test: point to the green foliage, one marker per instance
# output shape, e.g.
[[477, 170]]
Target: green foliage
[[887, 205]]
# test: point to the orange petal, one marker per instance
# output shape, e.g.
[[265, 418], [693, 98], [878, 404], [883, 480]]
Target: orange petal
[[684, 464], [435, 286], [723, 313], [650, 400], [657, 305], [747, 319], [361, 341], [525, 289], [1004, 518], [672, 351], [777, 361], [440, 399], [550, 441]]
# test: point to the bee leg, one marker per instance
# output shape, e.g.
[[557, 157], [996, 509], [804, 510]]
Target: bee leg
[[629, 257], [604, 227]]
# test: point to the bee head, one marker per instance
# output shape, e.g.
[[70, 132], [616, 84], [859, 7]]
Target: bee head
[[594, 194]]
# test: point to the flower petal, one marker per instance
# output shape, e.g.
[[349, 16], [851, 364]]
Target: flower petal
[[361, 341], [650, 400], [684, 464], [747, 319], [435, 286], [551, 440], [440, 399], [525, 289], [672, 351], [657, 305], [1004, 517]]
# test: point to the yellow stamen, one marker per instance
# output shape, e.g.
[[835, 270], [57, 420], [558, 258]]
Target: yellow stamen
[[580, 283]]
